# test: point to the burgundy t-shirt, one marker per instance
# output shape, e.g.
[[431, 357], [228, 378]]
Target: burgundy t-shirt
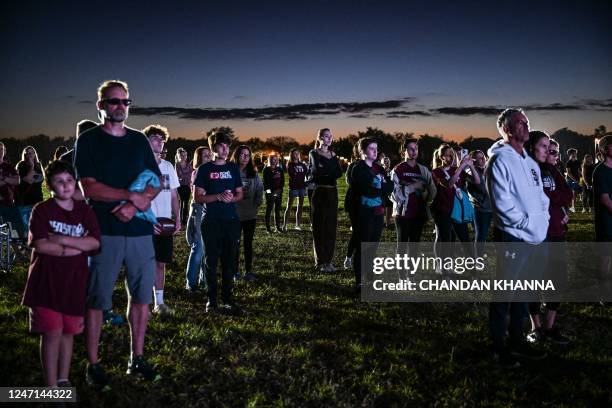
[[7, 191], [276, 179], [297, 174], [445, 197], [416, 204], [55, 282]]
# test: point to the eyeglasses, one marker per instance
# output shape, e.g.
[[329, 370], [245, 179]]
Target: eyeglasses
[[553, 152], [117, 101]]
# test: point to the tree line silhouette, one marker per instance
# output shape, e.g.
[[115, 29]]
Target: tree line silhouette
[[389, 143]]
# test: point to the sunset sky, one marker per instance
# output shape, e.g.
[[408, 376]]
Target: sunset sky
[[289, 68]]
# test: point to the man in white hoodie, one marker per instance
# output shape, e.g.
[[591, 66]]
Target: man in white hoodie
[[520, 213]]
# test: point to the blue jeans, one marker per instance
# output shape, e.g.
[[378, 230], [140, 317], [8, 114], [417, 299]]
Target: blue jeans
[[482, 222], [194, 240]]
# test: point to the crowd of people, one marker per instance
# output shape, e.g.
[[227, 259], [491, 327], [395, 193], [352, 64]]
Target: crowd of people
[[117, 202]]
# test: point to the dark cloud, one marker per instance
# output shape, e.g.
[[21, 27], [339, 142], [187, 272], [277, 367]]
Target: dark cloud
[[359, 110], [468, 111], [280, 112], [599, 104], [553, 107], [406, 114], [496, 110]]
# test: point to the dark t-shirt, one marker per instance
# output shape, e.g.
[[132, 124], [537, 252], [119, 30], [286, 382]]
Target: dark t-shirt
[[215, 179], [602, 184], [416, 204], [445, 197], [29, 193], [297, 173], [7, 191], [55, 282], [116, 162], [324, 171], [573, 168]]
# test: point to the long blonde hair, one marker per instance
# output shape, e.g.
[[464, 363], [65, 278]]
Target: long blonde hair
[[437, 156]]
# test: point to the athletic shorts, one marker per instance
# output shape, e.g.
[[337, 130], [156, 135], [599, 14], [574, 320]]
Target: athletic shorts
[[138, 256], [298, 192], [44, 320], [163, 248]]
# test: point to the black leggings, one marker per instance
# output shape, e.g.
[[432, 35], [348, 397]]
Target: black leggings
[[409, 229], [445, 227], [352, 208], [275, 202], [247, 229], [184, 193], [587, 197]]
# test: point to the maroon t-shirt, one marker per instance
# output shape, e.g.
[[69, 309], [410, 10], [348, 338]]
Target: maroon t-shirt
[[560, 195], [297, 174], [56, 282], [445, 197], [7, 191], [277, 179], [416, 204]]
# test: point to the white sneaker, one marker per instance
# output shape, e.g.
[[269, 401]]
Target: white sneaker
[[162, 310], [572, 209], [297, 228], [583, 210], [348, 262]]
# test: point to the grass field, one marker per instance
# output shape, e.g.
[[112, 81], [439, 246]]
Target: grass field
[[304, 340]]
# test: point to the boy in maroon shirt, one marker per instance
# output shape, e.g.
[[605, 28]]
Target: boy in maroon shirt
[[62, 234]]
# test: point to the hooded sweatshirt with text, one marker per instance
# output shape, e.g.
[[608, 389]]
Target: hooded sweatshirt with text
[[514, 184]]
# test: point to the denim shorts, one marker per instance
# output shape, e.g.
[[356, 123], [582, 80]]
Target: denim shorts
[[298, 192]]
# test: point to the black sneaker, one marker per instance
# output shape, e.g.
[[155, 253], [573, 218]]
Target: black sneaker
[[505, 360], [525, 350], [535, 336], [64, 384], [96, 376], [250, 276], [138, 365], [556, 336]]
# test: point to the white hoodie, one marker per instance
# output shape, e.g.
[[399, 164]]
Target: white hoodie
[[514, 184]]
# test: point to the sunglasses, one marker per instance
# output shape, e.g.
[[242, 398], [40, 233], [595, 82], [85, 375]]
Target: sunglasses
[[553, 152], [117, 101]]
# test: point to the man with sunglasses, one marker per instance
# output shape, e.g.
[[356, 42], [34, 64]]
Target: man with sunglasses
[[108, 159]]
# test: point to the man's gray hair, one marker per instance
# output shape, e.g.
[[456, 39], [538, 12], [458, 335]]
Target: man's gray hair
[[503, 120]]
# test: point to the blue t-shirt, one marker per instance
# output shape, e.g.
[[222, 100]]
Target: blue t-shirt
[[116, 162], [215, 179]]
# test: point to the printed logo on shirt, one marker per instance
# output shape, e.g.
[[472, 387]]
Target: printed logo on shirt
[[299, 169], [549, 183], [222, 175], [166, 182], [413, 175], [536, 179], [70, 230]]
